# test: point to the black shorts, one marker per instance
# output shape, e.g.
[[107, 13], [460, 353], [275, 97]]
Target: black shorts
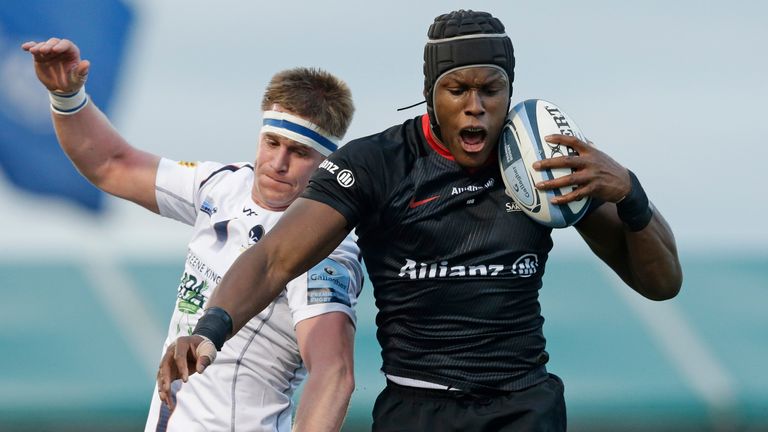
[[407, 409]]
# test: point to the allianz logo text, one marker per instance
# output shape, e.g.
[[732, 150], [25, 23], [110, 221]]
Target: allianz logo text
[[525, 266]]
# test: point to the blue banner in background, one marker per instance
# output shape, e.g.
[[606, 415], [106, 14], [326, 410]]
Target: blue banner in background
[[30, 156]]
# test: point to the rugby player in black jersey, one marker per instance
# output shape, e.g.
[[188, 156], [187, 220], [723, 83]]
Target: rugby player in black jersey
[[455, 270]]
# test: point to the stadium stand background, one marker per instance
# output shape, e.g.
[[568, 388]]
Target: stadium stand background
[[673, 90]]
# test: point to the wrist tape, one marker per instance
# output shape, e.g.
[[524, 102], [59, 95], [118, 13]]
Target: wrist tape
[[635, 209], [206, 349], [216, 325], [68, 103]]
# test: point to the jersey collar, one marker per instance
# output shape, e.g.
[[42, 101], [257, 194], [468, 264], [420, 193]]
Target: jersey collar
[[436, 145]]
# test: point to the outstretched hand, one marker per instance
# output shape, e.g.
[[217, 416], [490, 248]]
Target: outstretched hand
[[187, 353], [595, 173], [58, 64]]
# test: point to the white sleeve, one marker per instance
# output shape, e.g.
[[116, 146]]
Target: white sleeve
[[332, 285], [177, 188]]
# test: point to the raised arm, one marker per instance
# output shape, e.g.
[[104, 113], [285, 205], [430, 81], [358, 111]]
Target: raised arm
[[306, 233], [86, 136], [326, 343], [641, 251]]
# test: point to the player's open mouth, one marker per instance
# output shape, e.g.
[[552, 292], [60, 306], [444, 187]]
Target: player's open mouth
[[473, 138]]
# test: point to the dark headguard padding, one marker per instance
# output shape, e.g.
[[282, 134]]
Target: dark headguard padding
[[446, 49]]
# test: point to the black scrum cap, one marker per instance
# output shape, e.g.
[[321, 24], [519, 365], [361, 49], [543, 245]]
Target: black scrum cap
[[464, 38]]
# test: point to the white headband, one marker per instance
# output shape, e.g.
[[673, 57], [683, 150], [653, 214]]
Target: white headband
[[299, 130]]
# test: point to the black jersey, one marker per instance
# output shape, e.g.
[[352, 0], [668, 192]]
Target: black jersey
[[455, 265]]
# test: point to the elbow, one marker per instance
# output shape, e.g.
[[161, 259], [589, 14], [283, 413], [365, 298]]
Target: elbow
[[348, 385], [663, 293], [338, 376], [345, 379], [666, 288]]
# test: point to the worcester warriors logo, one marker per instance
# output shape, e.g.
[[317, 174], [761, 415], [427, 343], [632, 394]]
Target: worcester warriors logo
[[255, 234]]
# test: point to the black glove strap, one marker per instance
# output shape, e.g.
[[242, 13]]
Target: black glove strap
[[216, 325], [634, 209]]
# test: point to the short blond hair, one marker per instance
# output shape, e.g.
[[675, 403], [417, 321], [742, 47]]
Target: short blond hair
[[313, 94]]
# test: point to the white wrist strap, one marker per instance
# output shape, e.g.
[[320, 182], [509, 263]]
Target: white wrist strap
[[68, 104]]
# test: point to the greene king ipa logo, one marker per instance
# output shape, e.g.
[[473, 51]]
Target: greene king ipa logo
[[191, 300]]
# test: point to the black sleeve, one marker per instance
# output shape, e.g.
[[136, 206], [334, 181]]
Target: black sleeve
[[350, 180]]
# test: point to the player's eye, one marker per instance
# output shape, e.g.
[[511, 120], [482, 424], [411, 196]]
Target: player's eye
[[491, 90]]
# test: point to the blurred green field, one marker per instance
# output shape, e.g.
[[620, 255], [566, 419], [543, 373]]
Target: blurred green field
[[72, 360]]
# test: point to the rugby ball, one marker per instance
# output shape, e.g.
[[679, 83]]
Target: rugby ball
[[522, 143]]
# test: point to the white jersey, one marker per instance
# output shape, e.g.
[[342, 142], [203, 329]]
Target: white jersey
[[249, 386]]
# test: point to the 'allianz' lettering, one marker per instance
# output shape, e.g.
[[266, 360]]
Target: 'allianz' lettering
[[414, 270], [329, 166], [525, 266]]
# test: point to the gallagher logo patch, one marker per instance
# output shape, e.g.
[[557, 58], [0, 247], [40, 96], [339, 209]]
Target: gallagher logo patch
[[327, 282]]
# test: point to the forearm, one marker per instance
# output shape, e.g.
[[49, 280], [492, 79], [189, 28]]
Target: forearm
[[84, 132], [248, 287], [306, 233], [103, 157], [650, 251], [633, 238], [652, 265], [325, 400], [89, 140]]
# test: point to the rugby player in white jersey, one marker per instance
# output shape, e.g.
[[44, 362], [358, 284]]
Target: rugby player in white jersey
[[310, 327]]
